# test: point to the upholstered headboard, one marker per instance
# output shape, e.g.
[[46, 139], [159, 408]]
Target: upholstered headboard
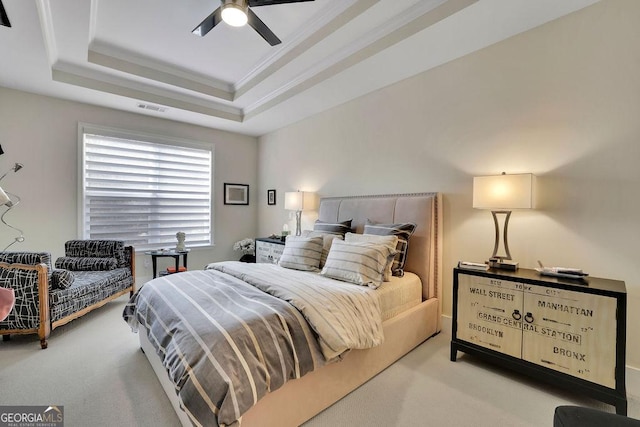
[[424, 256]]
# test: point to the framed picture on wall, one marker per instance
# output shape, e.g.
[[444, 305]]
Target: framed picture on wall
[[236, 194], [271, 197]]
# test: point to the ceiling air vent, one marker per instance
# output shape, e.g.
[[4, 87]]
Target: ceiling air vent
[[151, 107]]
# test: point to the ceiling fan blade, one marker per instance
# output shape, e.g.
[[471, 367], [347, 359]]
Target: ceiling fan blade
[[254, 3], [262, 29], [209, 22], [4, 19]]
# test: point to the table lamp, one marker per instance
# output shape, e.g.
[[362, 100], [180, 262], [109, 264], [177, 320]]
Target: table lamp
[[501, 194], [299, 201]]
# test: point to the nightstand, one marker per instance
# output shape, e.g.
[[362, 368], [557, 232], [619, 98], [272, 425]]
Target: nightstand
[[268, 250], [567, 332]]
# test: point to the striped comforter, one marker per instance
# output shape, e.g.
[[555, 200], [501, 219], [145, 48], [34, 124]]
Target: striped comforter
[[230, 334]]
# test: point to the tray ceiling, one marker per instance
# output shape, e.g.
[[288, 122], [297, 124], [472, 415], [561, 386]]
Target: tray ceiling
[[141, 56]]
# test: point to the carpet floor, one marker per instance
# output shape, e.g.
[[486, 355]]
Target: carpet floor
[[95, 369]]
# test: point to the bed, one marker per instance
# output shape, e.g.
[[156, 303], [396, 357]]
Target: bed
[[324, 370]]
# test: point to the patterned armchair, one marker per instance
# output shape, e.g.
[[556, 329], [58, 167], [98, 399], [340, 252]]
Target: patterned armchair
[[92, 273]]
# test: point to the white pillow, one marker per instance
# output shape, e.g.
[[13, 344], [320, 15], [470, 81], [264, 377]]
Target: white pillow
[[362, 263], [391, 241], [301, 253], [327, 238]]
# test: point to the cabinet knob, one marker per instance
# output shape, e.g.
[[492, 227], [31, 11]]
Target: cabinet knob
[[528, 318], [516, 314]]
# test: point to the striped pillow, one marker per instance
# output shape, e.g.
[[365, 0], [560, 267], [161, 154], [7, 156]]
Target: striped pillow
[[391, 241], [301, 253], [403, 231], [327, 238], [362, 263], [339, 228]]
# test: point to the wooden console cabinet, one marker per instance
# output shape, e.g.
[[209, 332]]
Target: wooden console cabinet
[[571, 333]]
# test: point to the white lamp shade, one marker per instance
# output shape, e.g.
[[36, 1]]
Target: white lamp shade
[[503, 192], [299, 201]]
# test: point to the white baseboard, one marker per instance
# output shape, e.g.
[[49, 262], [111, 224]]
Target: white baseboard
[[633, 382], [446, 325], [632, 374]]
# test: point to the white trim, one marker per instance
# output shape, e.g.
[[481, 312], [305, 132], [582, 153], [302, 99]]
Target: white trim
[[74, 74], [119, 59], [329, 20], [48, 34], [142, 136], [84, 128], [394, 31], [633, 382], [446, 325]]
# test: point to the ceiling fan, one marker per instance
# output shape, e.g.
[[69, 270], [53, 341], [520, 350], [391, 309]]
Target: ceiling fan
[[4, 19], [237, 13]]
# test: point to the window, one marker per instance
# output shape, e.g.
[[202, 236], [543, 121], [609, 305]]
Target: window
[[143, 189]]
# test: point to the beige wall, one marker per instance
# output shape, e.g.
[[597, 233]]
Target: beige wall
[[41, 133], [561, 101]]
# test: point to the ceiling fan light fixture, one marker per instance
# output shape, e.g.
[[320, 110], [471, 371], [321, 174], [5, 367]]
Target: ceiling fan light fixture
[[4, 19], [234, 14]]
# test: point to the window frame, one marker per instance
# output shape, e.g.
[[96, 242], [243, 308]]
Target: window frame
[[112, 132]]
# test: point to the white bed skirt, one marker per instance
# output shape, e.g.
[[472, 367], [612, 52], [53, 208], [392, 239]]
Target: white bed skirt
[[299, 400]]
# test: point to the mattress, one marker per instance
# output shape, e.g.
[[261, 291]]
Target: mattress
[[399, 294]]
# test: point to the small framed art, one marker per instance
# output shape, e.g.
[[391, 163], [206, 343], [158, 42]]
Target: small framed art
[[271, 197], [236, 194]]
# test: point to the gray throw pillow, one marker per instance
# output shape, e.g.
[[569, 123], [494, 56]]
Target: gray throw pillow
[[339, 228], [403, 231]]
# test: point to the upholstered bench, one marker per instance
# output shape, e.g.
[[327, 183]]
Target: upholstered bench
[[92, 273]]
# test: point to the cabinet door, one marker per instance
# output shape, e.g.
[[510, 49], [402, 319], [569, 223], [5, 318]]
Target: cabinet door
[[571, 332], [263, 250], [268, 252], [490, 313], [276, 252]]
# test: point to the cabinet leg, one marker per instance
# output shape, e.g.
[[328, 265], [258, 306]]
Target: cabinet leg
[[454, 352], [621, 407]]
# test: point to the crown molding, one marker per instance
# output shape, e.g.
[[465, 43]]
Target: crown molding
[[394, 31], [397, 28], [331, 19], [81, 76], [48, 33], [118, 59]]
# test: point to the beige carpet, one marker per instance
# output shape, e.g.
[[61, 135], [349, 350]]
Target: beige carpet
[[94, 367]]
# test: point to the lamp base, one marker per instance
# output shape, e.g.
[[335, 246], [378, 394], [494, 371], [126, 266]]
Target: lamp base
[[503, 264]]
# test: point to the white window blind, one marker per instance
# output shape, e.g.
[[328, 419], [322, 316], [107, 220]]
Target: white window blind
[[144, 192]]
